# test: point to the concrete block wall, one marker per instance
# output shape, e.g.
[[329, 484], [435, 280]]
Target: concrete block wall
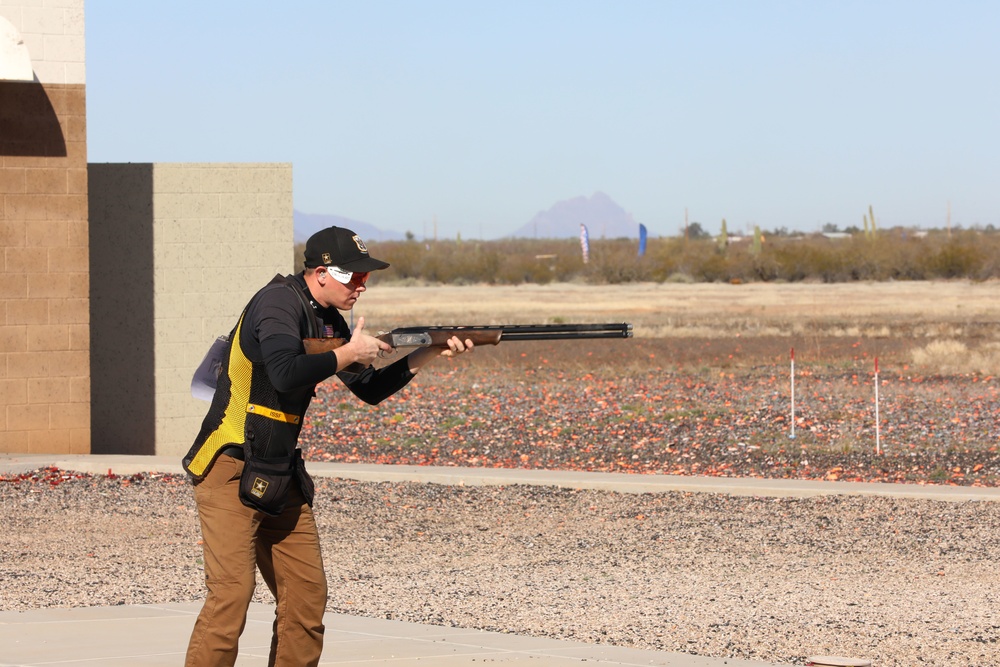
[[53, 33], [44, 303], [176, 252]]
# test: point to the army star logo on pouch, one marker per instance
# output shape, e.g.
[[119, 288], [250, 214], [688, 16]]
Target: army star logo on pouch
[[259, 487]]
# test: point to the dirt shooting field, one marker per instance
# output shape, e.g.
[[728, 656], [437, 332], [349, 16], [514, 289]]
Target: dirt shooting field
[[703, 388]]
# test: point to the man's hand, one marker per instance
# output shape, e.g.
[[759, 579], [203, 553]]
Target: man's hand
[[456, 346], [363, 349]]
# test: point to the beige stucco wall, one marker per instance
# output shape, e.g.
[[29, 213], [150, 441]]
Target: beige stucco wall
[[176, 251]]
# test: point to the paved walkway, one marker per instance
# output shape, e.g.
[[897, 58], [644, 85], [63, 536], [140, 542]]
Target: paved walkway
[[621, 482], [155, 635]]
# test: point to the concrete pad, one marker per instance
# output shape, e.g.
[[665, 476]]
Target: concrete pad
[[157, 635], [618, 482]]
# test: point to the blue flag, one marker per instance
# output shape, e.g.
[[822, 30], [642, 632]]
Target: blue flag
[[642, 239], [584, 243]]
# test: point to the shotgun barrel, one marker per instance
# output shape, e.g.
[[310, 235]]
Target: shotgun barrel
[[512, 332]]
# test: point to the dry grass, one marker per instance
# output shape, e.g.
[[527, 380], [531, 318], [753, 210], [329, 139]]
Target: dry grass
[[951, 356], [654, 304]]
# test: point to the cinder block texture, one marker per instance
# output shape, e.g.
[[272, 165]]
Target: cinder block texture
[[176, 252], [44, 279], [53, 33]]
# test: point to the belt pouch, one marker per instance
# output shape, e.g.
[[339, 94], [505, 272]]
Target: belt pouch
[[265, 483], [306, 484]]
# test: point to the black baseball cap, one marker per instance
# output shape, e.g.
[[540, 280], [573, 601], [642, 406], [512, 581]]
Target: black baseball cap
[[336, 246]]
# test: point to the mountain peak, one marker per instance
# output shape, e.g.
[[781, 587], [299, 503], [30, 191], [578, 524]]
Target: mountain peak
[[307, 224], [603, 217]]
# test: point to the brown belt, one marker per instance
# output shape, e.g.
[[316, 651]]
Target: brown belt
[[234, 451]]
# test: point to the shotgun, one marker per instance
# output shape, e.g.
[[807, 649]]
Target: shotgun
[[407, 337]]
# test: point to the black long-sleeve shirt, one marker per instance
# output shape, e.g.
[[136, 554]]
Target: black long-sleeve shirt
[[272, 379], [274, 326]]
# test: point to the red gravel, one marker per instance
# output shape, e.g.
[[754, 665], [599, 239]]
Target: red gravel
[[681, 407]]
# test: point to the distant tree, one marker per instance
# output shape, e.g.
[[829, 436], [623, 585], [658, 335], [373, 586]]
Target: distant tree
[[830, 228], [695, 231], [410, 236]]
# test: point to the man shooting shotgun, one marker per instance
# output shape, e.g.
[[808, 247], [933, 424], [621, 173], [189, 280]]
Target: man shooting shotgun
[[253, 493], [430, 337]]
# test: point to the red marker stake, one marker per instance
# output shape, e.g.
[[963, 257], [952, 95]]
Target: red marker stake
[[793, 393], [878, 438]]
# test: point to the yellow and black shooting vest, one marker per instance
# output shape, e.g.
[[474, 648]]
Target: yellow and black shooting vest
[[246, 408]]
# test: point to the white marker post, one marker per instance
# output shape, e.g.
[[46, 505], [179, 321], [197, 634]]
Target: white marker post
[[793, 393], [878, 439]]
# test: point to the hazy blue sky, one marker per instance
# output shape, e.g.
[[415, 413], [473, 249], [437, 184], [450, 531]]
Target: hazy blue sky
[[482, 113]]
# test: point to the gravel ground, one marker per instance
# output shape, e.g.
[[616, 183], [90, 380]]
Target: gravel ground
[[899, 582]]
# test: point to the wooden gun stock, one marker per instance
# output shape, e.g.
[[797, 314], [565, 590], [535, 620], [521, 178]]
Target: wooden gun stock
[[419, 337], [320, 345]]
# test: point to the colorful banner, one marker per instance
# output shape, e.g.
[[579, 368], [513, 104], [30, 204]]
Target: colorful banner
[[584, 243], [642, 239]]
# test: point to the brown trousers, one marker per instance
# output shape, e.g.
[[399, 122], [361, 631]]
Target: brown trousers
[[239, 540]]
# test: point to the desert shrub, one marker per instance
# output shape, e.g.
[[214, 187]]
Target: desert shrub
[[900, 255], [952, 356], [889, 255], [790, 259], [617, 261], [955, 256], [663, 258], [298, 250]]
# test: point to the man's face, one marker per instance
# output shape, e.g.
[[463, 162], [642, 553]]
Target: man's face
[[342, 289]]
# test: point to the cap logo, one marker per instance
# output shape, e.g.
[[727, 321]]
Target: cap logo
[[361, 244], [326, 258]]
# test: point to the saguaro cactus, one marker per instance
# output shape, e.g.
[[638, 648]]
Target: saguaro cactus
[[870, 227], [723, 237]]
